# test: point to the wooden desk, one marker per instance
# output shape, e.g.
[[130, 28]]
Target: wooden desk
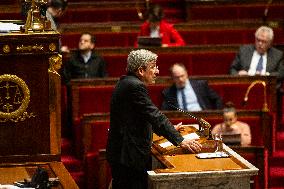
[[183, 170], [10, 173]]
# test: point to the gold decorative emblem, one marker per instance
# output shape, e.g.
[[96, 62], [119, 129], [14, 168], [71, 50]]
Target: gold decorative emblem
[[6, 49], [30, 48], [55, 63], [14, 99], [52, 47]]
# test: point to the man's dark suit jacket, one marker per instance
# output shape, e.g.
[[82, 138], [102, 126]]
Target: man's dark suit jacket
[[243, 60], [76, 68], [206, 97], [132, 118]]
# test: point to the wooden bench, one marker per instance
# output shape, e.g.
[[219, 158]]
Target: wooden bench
[[125, 35], [196, 58], [199, 60], [102, 11], [225, 85], [222, 9]]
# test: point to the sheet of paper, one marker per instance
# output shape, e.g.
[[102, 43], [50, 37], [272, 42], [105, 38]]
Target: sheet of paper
[[212, 155], [7, 27], [12, 187]]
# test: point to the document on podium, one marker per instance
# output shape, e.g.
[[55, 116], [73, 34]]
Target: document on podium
[[212, 155], [8, 27]]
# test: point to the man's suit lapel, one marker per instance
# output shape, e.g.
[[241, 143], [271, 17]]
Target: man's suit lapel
[[197, 90], [269, 60], [248, 57], [173, 96]]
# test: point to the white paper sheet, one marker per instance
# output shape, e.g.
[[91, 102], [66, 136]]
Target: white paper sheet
[[7, 27]]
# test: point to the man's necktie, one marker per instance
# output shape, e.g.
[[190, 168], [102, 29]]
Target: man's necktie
[[183, 99], [259, 66]]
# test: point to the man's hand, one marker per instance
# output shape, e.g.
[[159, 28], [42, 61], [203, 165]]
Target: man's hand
[[243, 72], [192, 145], [179, 127]]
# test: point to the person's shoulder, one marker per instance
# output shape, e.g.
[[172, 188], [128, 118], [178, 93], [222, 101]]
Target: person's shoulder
[[276, 51], [199, 81], [169, 88], [165, 23], [242, 124], [217, 125], [131, 80], [74, 55], [145, 24], [216, 128], [247, 47], [96, 54]]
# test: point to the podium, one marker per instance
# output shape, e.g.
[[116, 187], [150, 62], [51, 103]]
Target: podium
[[30, 115], [172, 168]]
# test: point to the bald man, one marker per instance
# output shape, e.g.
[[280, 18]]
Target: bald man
[[189, 95]]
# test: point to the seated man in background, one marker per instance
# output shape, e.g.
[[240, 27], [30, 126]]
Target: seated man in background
[[156, 26], [231, 125], [260, 58], [84, 62], [189, 95]]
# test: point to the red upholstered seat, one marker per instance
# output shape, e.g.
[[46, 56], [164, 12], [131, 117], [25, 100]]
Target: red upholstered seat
[[104, 39], [155, 92], [94, 99], [234, 11], [64, 125], [99, 133], [97, 170], [235, 92], [88, 100], [95, 14]]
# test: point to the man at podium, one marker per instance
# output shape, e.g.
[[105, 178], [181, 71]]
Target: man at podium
[[133, 116]]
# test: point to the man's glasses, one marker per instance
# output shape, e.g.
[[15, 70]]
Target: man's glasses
[[154, 67], [262, 41]]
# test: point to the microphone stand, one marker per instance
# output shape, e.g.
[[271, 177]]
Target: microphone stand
[[265, 106], [204, 130]]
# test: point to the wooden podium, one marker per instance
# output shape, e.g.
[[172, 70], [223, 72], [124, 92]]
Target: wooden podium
[[174, 169], [30, 115]]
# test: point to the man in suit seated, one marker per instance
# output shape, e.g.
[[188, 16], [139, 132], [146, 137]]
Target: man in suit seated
[[189, 95], [260, 58], [85, 62]]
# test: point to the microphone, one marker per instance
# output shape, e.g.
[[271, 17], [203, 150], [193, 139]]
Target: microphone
[[265, 106], [204, 129]]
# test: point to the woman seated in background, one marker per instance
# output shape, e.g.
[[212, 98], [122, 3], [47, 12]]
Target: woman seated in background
[[232, 126], [156, 26]]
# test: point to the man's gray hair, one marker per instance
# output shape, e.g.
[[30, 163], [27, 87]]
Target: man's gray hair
[[267, 30], [139, 58]]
